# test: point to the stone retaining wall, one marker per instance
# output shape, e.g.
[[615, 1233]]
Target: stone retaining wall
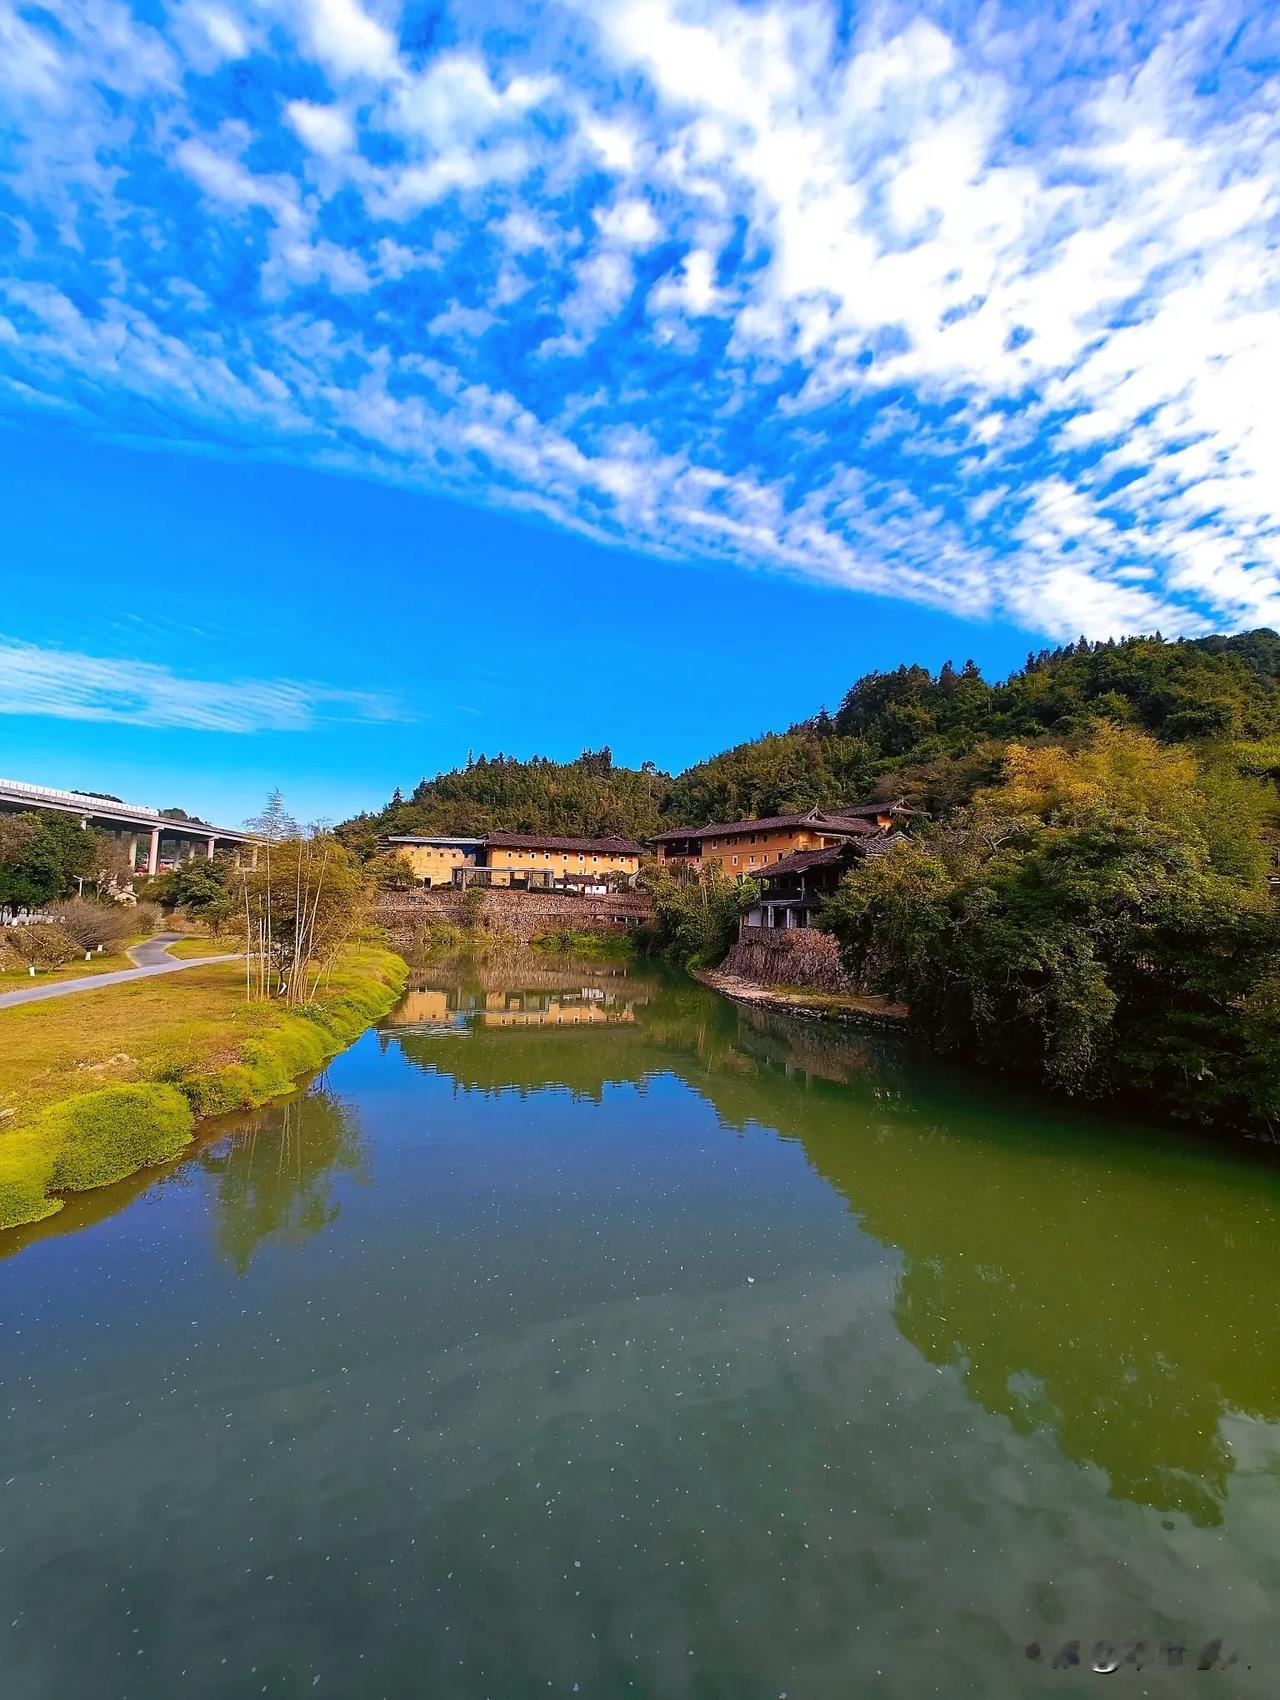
[[520, 915], [788, 956]]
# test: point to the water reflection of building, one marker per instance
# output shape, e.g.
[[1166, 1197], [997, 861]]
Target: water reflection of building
[[449, 1009], [590, 1005]]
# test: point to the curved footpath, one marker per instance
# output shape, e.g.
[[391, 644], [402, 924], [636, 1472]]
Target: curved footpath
[[151, 957]]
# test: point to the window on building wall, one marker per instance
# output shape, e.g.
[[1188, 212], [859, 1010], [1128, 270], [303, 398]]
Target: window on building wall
[[735, 861]]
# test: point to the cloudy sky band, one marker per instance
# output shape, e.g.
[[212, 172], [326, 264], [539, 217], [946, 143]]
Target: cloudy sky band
[[976, 312]]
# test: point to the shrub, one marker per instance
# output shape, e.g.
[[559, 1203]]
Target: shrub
[[146, 917], [471, 908], [695, 919], [42, 946], [91, 924], [103, 1136]]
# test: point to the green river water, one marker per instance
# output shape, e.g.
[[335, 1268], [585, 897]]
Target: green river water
[[580, 1333]]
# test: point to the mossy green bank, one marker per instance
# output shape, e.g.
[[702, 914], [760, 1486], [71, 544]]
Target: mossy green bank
[[202, 1051]]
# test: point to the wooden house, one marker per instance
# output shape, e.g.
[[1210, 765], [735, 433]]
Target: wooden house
[[744, 849]]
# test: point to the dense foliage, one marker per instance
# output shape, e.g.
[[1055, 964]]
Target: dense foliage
[[588, 797], [203, 889], [937, 738], [694, 920], [1099, 916], [42, 853]]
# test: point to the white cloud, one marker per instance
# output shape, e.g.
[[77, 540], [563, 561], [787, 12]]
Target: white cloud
[[223, 176], [325, 129], [630, 222], [691, 290], [959, 318], [348, 41], [70, 686], [461, 321]]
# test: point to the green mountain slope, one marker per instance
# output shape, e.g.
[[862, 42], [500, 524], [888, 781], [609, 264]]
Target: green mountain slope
[[933, 737]]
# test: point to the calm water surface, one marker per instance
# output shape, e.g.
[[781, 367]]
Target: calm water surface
[[579, 1333]]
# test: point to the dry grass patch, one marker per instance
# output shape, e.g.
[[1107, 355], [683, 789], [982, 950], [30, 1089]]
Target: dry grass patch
[[187, 949]]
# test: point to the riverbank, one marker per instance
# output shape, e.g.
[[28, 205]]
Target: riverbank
[[95, 1087], [850, 1008]]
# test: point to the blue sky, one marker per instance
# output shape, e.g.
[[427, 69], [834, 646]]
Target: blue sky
[[379, 381]]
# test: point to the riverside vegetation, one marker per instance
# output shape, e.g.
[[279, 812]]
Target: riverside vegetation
[[97, 1086], [1087, 895]]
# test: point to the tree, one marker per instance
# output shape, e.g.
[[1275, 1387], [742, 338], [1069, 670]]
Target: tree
[[300, 905], [275, 822], [42, 854], [29, 866], [1099, 917], [201, 888], [111, 869], [390, 871], [695, 918]]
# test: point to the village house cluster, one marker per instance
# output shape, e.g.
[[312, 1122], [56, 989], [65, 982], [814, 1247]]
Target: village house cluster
[[520, 861], [797, 859]]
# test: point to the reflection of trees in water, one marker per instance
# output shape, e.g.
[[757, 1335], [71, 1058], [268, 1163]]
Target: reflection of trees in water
[[274, 1177], [1111, 1284], [1087, 1278]]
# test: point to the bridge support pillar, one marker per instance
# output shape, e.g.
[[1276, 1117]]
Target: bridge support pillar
[[153, 851]]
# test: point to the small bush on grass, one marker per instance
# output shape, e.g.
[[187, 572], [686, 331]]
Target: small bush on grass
[[92, 924], [146, 917], [41, 946], [103, 1136]]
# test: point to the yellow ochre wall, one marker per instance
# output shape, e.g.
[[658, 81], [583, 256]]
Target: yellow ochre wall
[[753, 850], [563, 861], [746, 852], [435, 862]]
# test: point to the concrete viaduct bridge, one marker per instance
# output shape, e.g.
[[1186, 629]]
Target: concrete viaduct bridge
[[160, 842]]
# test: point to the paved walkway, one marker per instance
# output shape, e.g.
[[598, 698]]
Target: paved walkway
[[152, 958]]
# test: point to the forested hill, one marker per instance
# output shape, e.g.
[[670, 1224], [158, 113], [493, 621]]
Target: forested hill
[[932, 737], [588, 797], [936, 737]]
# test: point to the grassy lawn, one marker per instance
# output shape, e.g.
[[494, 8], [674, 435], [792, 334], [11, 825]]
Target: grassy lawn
[[121, 1033], [186, 949], [107, 963], [96, 1086]]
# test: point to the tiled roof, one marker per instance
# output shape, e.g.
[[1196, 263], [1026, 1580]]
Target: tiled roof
[[803, 860], [855, 825], [894, 806], [769, 824], [427, 839], [581, 846], [852, 819]]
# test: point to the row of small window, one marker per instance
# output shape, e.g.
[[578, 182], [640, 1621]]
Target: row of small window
[[551, 856]]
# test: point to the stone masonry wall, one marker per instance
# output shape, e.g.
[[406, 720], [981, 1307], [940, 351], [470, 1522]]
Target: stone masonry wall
[[788, 956], [518, 915]]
